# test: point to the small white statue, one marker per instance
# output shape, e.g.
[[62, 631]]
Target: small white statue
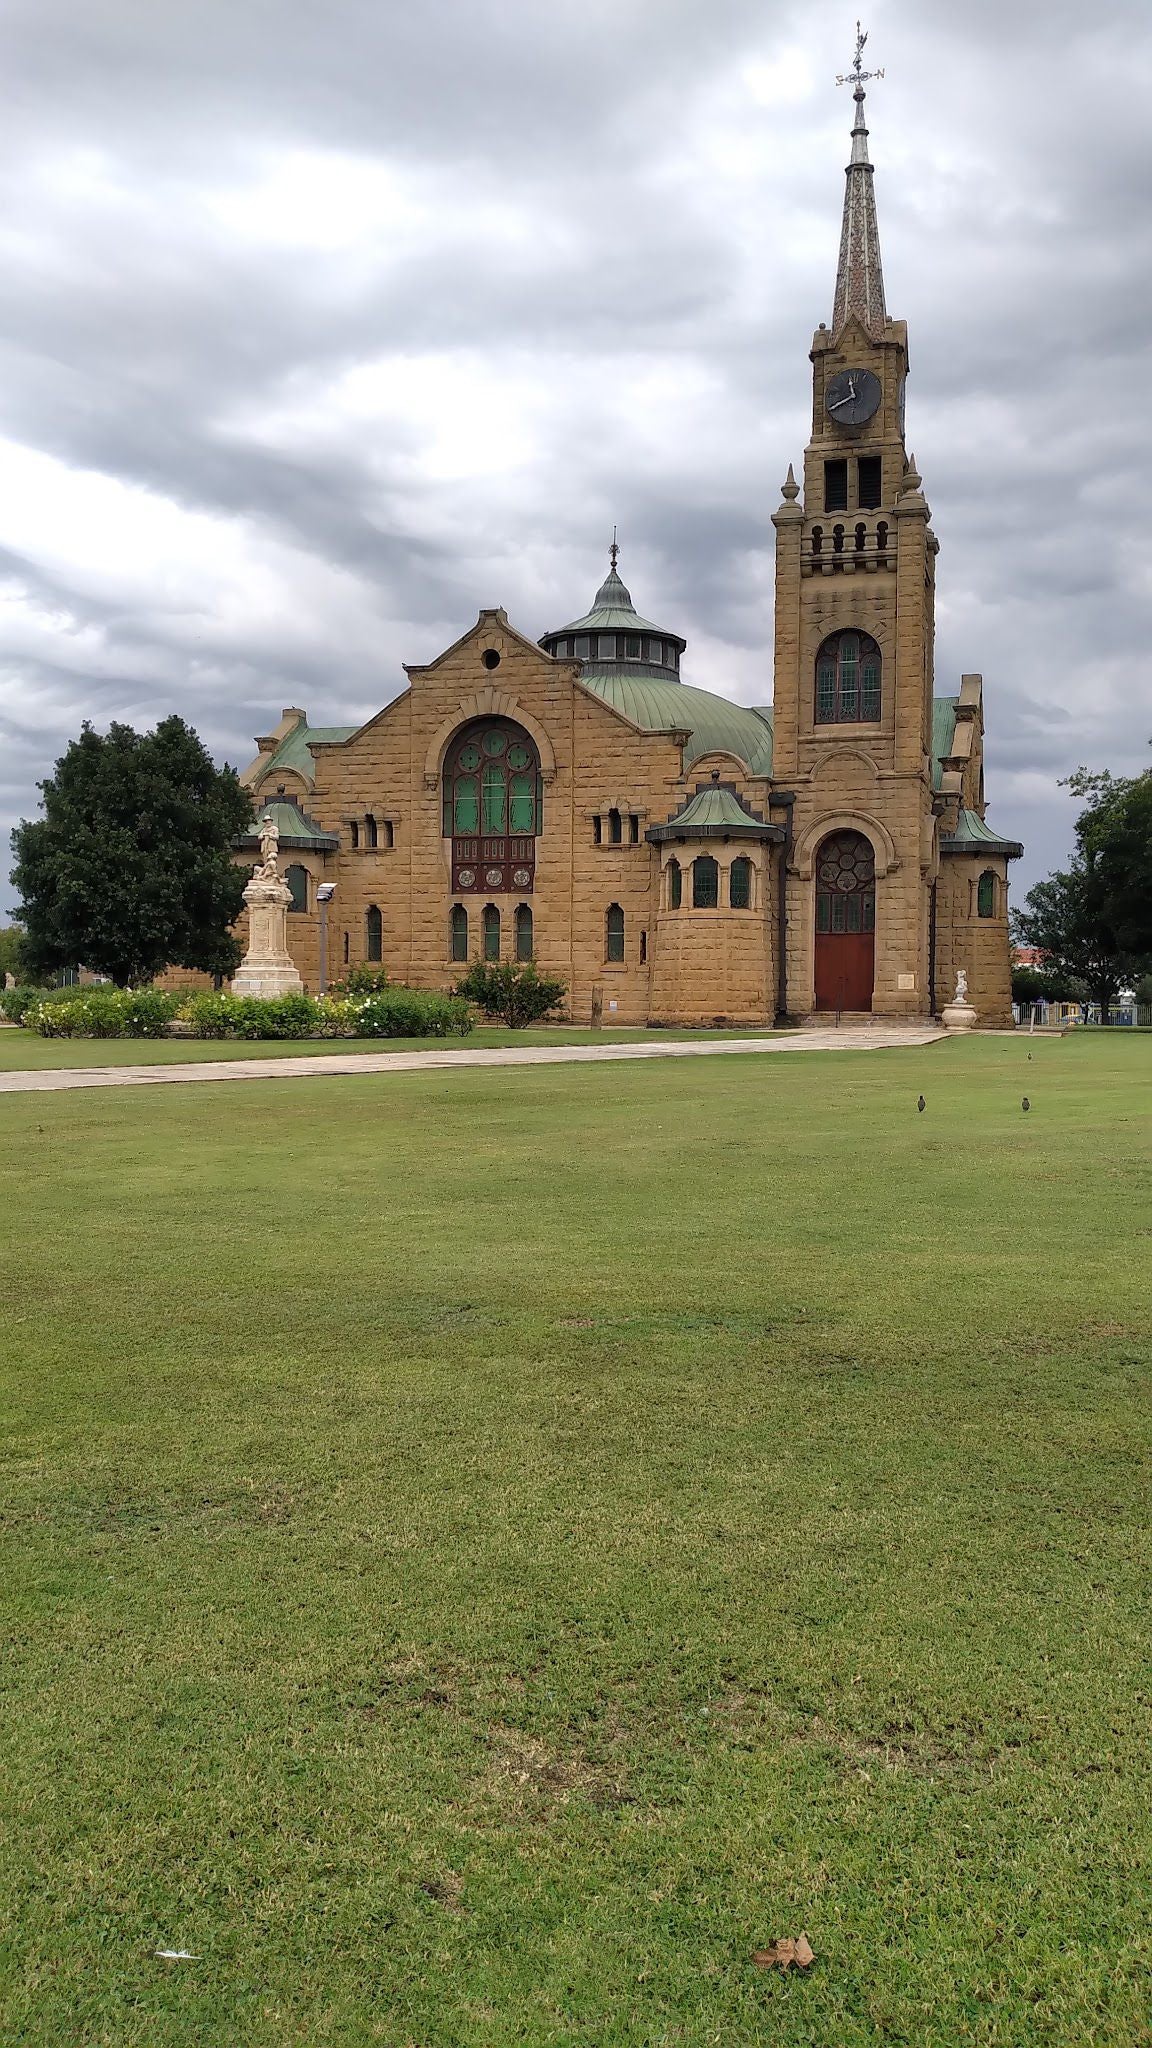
[[269, 848], [961, 995]]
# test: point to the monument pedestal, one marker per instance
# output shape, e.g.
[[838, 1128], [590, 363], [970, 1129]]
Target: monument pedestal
[[267, 968]]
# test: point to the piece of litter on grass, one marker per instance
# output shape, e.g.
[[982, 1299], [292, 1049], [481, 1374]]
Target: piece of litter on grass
[[177, 1955], [781, 1955]]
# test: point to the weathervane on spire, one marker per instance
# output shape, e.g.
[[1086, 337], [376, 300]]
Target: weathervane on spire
[[613, 550], [857, 75]]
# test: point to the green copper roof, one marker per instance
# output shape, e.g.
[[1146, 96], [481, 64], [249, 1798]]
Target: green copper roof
[[658, 704], [298, 832], [943, 730], [294, 752], [715, 813], [612, 606], [974, 835]]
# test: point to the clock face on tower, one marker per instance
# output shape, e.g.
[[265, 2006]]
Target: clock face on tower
[[853, 396]]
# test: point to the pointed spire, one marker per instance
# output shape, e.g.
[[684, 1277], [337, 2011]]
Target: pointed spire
[[859, 276]]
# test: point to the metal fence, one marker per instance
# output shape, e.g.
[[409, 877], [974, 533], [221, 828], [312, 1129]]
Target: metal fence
[[1048, 1016]]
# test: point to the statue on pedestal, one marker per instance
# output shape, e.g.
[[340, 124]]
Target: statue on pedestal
[[267, 968], [959, 1015]]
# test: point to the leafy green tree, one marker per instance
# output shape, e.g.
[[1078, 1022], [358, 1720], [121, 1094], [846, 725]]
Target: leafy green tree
[[1115, 832], [11, 952], [1038, 985], [1066, 918], [130, 869]]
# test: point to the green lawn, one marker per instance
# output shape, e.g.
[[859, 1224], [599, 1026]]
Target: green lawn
[[486, 1551], [19, 1048]]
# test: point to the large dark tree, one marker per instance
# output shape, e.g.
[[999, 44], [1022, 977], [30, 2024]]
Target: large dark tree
[[1115, 833], [130, 869], [1093, 920]]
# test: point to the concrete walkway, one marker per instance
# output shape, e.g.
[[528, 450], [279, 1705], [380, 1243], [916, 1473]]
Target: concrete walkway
[[866, 1038]]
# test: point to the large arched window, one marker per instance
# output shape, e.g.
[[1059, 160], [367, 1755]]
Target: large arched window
[[846, 884], [614, 932], [492, 807], [492, 781], [523, 931], [490, 926], [986, 894], [458, 932], [373, 934], [675, 885], [848, 680], [740, 884], [705, 882], [297, 880]]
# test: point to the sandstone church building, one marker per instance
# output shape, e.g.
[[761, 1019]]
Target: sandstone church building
[[673, 856]]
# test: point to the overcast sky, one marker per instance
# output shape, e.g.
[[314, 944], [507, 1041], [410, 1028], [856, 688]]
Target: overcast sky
[[323, 326]]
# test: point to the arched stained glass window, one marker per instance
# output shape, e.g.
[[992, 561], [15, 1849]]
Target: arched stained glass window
[[848, 680], [705, 882], [614, 934], [523, 929], [846, 884], [373, 934], [740, 884], [458, 932], [491, 930], [675, 885], [986, 894], [492, 782], [297, 880]]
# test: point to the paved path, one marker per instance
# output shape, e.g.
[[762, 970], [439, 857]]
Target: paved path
[[867, 1038]]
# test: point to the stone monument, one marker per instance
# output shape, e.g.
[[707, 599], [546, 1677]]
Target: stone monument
[[958, 1015], [267, 968]]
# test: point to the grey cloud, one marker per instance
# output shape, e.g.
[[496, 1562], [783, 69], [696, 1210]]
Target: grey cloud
[[613, 216]]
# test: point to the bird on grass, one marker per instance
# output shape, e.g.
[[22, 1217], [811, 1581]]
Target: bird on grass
[[920, 1103], [1025, 1104]]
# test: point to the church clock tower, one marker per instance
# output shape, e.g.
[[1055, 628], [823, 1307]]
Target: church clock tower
[[855, 574]]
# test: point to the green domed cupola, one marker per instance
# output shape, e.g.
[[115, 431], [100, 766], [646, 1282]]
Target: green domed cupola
[[612, 638]]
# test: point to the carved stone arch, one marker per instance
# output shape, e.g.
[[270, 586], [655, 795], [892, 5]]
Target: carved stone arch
[[813, 836], [832, 756], [488, 703]]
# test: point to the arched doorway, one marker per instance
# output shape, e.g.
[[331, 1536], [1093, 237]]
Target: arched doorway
[[845, 922]]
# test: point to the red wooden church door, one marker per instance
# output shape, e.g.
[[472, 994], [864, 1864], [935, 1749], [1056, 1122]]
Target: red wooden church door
[[845, 923]]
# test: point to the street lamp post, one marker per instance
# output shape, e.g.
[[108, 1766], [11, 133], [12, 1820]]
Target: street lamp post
[[324, 895]]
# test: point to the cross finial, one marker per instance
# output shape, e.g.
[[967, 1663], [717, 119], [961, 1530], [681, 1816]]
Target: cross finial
[[613, 550], [857, 75]]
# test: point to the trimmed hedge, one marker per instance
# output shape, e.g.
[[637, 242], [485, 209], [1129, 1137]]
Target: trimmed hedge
[[147, 1013]]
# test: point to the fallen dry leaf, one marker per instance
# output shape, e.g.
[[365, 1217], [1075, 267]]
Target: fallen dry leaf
[[781, 1955]]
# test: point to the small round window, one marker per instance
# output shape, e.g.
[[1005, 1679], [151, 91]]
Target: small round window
[[519, 757], [494, 742], [469, 758]]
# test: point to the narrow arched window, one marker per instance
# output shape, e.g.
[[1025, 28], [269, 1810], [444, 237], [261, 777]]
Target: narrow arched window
[[675, 885], [491, 929], [347, 946], [615, 829], [837, 540], [881, 535], [354, 832], [615, 932], [740, 884], [371, 831], [847, 680], [705, 882], [861, 537], [389, 833], [458, 932], [297, 880], [523, 931], [817, 539], [373, 934], [597, 830], [986, 894]]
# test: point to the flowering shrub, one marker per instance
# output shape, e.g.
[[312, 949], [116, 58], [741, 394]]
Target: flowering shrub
[[511, 994], [362, 981], [102, 1013], [15, 1003], [405, 1013]]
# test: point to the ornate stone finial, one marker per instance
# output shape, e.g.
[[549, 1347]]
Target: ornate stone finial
[[790, 489], [613, 552], [859, 276], [267, 870], [912, 476]]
